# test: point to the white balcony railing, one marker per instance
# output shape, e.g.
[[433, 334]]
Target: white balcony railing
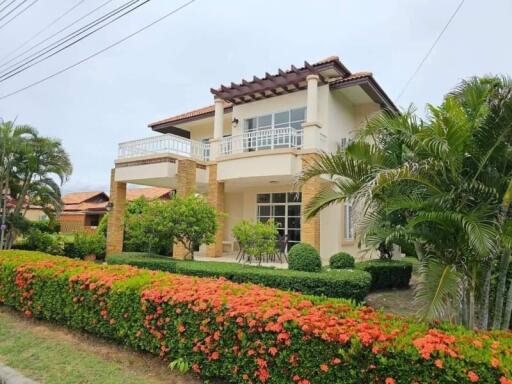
[[287, 137], [165, 144]]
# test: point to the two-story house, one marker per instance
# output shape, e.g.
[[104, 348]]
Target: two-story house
[[245, 152]]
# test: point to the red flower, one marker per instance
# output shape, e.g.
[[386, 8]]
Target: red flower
[[438, 363], [390, 380], [324, 368], [473, 377]]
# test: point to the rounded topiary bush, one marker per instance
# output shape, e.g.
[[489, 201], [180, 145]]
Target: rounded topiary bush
[[342, 260], [304, 257]]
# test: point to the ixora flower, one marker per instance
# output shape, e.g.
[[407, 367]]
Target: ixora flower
[[272, 335]]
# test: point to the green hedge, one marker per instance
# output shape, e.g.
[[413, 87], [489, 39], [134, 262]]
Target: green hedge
[[342, 260], [244, 333], [348, 284], [387, 273]]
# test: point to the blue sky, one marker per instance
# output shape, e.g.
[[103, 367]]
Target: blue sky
[[171, 67]]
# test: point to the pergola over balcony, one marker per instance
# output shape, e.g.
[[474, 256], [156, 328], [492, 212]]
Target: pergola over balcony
[[283, 82]]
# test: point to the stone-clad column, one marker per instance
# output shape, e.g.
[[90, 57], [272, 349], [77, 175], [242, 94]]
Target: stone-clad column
[[310, 232], [115, 228], [186, 176], [216, 200]]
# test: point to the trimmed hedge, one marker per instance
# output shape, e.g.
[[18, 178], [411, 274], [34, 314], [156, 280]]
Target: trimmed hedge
[[342, 260], [304, 257], [353, 285], [387, 273], [247, 333]]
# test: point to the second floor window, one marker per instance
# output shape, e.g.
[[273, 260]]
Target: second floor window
[[291, 118]]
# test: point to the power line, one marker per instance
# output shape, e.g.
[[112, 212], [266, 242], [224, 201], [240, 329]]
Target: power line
[[430, 50], [7, 6], [55, 34], [175, 10], [12, 10], [44, 29], [23, 65], [18, 14]]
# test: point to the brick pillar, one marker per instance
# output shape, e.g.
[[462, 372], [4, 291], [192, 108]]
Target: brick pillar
[[310, 232], [216, 200], [186, 175], [115, 229]]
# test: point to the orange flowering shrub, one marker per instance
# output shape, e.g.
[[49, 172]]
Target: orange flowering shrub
[[245, 333]]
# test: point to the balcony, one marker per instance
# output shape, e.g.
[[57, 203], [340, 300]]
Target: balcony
[[265, 139], [166, 144]]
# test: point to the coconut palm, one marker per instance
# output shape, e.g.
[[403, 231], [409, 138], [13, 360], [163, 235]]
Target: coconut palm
[[439, 184], [32, 168]]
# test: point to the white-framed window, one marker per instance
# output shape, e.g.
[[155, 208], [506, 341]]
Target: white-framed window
[[284, 208], [290, 118], [349, 221]]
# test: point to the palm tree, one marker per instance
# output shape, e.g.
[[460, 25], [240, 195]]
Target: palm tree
[[30, 166], [439, 184]]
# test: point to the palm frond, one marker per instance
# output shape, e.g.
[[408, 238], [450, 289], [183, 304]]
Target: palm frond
[[439, 291]]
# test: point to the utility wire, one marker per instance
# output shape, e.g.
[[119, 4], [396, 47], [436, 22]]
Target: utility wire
[[2, 2], [12, 10], [7, 6], [24, 64], [55, 34], [430, 50], [18, 14], [44, 29], [108, 47]]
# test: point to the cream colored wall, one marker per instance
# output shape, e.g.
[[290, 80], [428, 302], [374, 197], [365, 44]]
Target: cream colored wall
[[35, 214], [341, 120], [271, 164], [203, 129]]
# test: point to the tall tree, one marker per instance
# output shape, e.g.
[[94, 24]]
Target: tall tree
[[32, 168], [439, 183]]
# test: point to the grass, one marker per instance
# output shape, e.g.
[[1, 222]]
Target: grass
[[50, 354]]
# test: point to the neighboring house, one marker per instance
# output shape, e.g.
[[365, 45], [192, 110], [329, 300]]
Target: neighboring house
[[30, 212], [245, 152], [82, 211]]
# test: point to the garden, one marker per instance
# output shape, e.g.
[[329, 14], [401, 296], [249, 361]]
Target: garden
[[440, 188]]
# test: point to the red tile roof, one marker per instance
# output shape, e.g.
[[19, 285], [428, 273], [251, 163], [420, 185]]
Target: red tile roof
[[79, 197], [204, 112], [148, 193]]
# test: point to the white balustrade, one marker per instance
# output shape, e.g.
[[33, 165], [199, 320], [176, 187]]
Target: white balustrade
[[165, 144], [256, 140]]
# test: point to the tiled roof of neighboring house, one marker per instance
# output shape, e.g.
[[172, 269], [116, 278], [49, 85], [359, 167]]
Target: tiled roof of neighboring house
[[101, 206], [148, 193], [200, 112], [85, 201], [79, 197]]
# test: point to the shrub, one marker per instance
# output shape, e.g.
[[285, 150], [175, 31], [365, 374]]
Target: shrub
[[304, 257], [256, 239], [36, 240], [47, 226], [341, 260], [89, 244], [340, 284], [144, 260], [245, 333], [387, 273]]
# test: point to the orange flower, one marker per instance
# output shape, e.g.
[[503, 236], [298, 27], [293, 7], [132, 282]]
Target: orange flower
[[390, 380], [473, 377], [438, 363], [324, 367]]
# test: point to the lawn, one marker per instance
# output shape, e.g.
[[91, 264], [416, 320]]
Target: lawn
[[52, 354]]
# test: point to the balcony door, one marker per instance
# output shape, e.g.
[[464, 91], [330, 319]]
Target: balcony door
[[272, 130]]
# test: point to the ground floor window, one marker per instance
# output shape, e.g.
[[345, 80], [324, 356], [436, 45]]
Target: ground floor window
[[284, 209], [349, 221]]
